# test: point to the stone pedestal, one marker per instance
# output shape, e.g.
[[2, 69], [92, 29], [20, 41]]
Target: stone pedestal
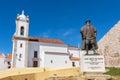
[[93, 67], [92, 63]]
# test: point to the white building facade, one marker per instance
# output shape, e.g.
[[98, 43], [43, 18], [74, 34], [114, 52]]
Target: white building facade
[[31, 51], [5, 61]]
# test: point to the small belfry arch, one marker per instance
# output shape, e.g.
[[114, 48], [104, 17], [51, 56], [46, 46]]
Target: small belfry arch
[[22, 30]]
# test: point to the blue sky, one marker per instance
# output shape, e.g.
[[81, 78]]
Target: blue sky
[[60, 19]]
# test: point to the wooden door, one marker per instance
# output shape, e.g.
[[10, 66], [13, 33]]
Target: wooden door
[[35, 63]]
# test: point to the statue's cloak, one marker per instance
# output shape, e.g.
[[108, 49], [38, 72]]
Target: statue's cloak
[[84, 32]]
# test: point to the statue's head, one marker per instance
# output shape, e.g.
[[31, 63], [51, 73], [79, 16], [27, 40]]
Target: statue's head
[[87, 22]]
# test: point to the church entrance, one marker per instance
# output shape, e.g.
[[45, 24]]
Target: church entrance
[[35, 63]]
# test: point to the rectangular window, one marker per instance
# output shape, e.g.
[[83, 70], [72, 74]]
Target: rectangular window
[[21, 45], [8, 63], [20, 56], [51, 61], [73, 64], [35, 54]]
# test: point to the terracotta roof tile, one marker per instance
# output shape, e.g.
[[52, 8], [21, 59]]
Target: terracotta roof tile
[[41, 39], [1, 54], [9, 56], [74, 58], [73, 47], [46, 40]]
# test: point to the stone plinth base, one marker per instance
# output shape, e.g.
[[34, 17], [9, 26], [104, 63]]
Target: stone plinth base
[[93, 67], [96, 76]]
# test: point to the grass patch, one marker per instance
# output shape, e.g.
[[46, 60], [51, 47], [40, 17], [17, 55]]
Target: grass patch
[[113, 71]]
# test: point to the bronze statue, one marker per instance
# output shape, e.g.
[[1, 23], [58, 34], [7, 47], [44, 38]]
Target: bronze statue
[[88, 37]]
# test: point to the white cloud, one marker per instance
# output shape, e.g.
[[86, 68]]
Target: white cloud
[[58, 33], [68, 32], [45, 34]]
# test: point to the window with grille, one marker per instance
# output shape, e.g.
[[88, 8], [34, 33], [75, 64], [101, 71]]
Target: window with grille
[[35, 54]]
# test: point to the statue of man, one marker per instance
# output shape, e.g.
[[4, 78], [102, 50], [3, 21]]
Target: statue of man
[[88, 33]]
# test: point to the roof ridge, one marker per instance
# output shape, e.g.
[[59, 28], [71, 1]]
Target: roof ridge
[[45, 37], [47, 40]]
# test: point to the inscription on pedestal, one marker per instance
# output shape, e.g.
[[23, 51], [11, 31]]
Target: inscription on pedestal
[[92, 63]]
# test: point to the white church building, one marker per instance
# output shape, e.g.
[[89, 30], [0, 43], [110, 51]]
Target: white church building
[[29, 51]]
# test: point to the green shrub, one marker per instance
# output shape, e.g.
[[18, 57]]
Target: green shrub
[[113, 71]]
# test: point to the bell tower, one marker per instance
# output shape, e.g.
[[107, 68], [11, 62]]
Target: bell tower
[[20, 42], [22, 25]]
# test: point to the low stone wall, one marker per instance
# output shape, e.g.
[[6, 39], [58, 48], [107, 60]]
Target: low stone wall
[[38, 73]]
